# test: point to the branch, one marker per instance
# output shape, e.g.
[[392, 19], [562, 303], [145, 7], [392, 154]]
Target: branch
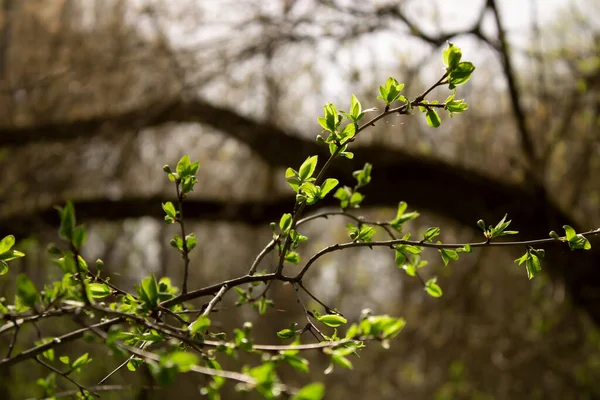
[[526, 139], [61, 340], [67, 377], [392, 243], [215, 300]]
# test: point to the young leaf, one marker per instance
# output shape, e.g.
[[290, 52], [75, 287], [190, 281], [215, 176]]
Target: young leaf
[[183, 166], [461, 74], [190, 241], [26, 290], [432, 118], [99, 290], [199, 325], [293, 178], [432, 288], [314, 391], [363, 176], [7, 243], [355, 108], [81, 361], [307, 168], [3, 268], [451, 56], [327, 186], [448, 255], [332, 320], [532, 265], [430, 233], [285, 222], [67, 221]]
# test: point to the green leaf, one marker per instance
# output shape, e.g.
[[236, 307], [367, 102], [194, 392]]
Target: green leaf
[[430, 233], [523, 258], [190, 241], [7, 243], [11, 255], [432, 118], [26, 290], [393, 328], [432, 288], [67, 221], [355, 108], [465, 249], [356, 199], [343, 194], [456, 106], [292, 257], [293, 179], [327, 186], [298, 363], [134, 364], [348, 132], [448, 255], [183, 166], [342, 361], [169, 209], [184, 361], [332, 320], [287, 333], [400, 258], [81, 361], [532, 265], [308, 168], [285, 223], [570, 232], [150, 289], [391, 91], [314, 391], [201, 324], [461, 74], [99, 290], [451, 56], [363, 176], [177, 242], [401, 217], [79, 236], [64, 360], [323, 122], [3, 267]]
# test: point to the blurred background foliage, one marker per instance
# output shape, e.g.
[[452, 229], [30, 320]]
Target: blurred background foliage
[[95, 96]]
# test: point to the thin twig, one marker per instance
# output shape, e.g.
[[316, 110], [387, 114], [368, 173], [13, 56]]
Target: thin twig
[[69, 337], [311, 326], [215, 300], [325, 306], [260, 256], [13, 341], [185, 251], [392, 243], [97, 388], [82, 388]]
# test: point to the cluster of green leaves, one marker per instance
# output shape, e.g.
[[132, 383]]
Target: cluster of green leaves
[[457, 73], [531, 258], [351, 197], [184, 175], [303, 182], [7, 253], [492, 232]]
